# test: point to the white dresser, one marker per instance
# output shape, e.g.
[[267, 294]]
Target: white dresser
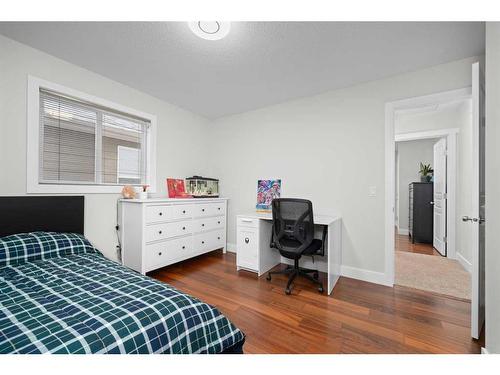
[[155, 233]]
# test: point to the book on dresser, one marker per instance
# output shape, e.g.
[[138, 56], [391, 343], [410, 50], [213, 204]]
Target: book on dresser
[[155, 233]]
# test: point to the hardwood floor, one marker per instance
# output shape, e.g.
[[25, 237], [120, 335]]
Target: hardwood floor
[[403, 243], [358, 317]]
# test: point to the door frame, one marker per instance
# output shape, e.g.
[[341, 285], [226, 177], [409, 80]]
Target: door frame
[[390, 165], [451, 136]]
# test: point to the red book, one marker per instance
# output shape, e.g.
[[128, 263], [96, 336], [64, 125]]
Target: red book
[[176, 188]]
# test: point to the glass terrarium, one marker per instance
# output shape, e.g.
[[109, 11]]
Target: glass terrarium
[[202, 187]]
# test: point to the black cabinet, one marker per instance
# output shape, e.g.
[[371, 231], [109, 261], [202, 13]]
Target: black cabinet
[[421, 215]]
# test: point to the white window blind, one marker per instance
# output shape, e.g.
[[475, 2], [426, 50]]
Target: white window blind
[[81, 143]]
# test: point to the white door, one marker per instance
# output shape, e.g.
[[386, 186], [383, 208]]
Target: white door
[[439, 240], [476, 218]]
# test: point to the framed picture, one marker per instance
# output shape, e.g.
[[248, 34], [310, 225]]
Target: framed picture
[[267, 190]]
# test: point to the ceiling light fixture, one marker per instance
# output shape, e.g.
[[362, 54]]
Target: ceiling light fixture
[[210, 30]]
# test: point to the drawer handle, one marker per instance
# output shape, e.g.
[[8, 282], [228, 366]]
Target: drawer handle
[[183, 247], [183, 211], [202, 241], [218, 238], [202, 210], [218, 208], [202, 224], [247, 240], [159, 253], [247, 220], [159, 232], [183, 228], [160, 213], [218, 222]]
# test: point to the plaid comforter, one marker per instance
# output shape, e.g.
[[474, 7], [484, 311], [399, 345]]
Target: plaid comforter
[[85, 303]]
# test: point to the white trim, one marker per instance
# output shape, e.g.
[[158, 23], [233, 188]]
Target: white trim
[[390, 147], [365, 275], [231, 247], [33, 133], [403, 231], [428, 134], [464, 262], [484, 351]]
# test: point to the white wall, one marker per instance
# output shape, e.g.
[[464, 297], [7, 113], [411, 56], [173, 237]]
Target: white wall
[[452, 115], [410, 155], [492, 186], [328, 148], [180, 150]]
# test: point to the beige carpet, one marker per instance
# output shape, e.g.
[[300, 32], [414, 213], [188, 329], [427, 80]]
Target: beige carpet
[[432, 273]]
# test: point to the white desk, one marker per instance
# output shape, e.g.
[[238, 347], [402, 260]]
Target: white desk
[[253, 252]]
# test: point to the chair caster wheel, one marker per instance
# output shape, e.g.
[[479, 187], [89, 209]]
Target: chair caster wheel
[[315, 275], [268, 277], [320, 289], [288, 291]]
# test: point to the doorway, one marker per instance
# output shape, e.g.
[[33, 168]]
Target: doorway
[[469, 205], [426, 173]]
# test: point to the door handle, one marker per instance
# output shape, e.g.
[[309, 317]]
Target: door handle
[[473, 219], [432, 203]]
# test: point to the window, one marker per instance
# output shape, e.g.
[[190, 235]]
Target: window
[[85, 144]]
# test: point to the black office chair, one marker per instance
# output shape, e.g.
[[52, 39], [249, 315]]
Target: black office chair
[[293, 236]]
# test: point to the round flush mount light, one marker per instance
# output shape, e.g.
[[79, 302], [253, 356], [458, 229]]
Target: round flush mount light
[[210, 30]]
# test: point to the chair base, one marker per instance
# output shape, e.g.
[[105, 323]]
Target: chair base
[[295, 271]]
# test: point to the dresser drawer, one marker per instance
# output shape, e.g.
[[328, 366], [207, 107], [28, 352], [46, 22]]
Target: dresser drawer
[[180, 211], [242, 221], [208, 223], [208, 241], [167, 252], [156, 214], [167, 230], [247, 248], [209, 209]]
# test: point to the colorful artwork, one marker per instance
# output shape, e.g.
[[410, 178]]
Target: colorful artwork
[[267, 190], [176, 188]]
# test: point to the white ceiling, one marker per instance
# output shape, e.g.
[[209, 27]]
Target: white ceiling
[[257, 64]]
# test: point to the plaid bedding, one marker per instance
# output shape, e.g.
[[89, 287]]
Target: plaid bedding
[[27, 247], [84, 303]]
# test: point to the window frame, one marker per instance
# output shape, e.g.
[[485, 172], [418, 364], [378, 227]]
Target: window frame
[[33, 184]]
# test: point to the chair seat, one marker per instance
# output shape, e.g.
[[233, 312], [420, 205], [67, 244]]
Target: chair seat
[[291, 253]]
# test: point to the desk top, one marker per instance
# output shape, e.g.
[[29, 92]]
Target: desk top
[[318, 219]]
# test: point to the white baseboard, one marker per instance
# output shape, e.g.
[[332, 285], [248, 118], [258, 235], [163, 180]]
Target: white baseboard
[[464, 262], [365, 275], [347, 271], [231, 247], [484, 351], [403, 231]]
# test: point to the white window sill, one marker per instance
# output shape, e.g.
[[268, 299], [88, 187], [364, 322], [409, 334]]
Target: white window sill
[[77, 189]]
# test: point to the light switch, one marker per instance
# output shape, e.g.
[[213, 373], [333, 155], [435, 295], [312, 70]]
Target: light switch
[[372, 191]]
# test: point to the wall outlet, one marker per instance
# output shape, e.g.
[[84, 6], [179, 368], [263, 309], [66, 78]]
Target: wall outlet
[[372, 191]]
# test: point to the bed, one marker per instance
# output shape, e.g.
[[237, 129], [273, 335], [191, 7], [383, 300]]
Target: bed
[[58, 294]]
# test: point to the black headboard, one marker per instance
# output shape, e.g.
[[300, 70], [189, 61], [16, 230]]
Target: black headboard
[[50, 214]]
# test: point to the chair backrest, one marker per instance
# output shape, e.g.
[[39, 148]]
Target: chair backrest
[[293, 223]]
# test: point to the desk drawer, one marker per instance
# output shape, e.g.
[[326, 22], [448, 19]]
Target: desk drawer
[[167, 230], [209, 223], [167, 252], [247, 222]]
